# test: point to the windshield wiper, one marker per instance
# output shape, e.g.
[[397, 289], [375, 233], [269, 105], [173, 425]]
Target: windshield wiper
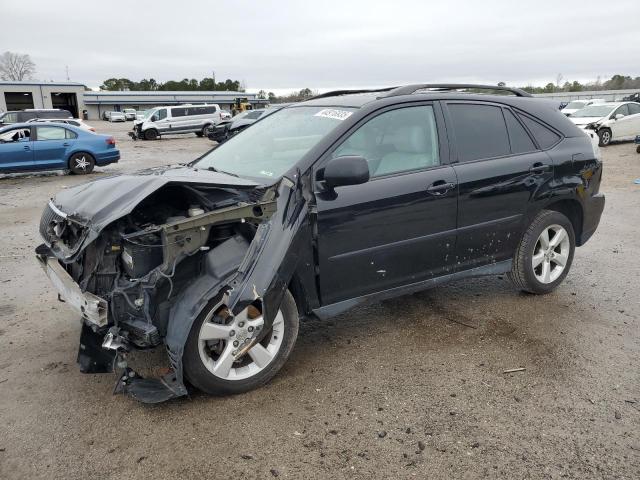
[[213, 169]]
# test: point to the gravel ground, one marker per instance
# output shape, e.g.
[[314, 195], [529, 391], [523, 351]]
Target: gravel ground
[[411, 387]]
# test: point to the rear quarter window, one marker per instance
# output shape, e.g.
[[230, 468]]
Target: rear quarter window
[[520, 140], [545, 137]]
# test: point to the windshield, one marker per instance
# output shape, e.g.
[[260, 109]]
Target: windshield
[[594, 111], [129, 110], [576, 105], [276, 143]]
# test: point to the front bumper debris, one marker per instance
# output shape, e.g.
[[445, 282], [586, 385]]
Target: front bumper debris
[[92, 308]]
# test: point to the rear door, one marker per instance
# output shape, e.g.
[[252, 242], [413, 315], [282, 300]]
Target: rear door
[[16, 150], [51, 146], [499, 167], [634, 117], [398, 228]]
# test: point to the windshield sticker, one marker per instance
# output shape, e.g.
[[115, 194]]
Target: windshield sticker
[[333, 113], [265, 173]]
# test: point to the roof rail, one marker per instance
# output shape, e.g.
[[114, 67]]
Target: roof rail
[[336, 93], [409, 89]]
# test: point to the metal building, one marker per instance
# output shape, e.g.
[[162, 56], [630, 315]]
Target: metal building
[[25, 95], [76, 98], [99, 102]]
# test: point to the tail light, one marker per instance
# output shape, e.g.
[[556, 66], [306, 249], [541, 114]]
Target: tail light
[[111, 141]]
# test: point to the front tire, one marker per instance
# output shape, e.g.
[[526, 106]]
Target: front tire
[[151, 134], [544, 255], [209, 362], [604, 137], [81, 163]]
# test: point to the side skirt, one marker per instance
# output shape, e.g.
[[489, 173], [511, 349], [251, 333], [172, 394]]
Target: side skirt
[[328, 311]]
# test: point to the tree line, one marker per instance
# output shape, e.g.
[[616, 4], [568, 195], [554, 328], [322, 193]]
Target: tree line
[[616, 82], [186, 84]]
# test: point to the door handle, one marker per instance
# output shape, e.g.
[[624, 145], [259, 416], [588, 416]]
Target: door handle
[[539, 168], [65, 144], [440, 187], [27, 147]]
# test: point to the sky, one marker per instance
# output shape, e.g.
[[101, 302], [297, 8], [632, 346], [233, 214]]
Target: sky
[[287, 45]]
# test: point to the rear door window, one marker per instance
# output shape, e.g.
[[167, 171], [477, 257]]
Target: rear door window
[[51, 133], [518, 137], [545, 137], [634, 108], [178, 112], [480, 131]]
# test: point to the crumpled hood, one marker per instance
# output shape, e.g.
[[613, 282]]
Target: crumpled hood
[[102, 201], [584, 120]]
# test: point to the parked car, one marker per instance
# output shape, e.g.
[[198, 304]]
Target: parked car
[[76, 122], [611, 121], [53, 146], [130, 113], [117, 117], [637, 142], [341, 200], [180, 119], [576, 105], [20, 116], [141, 114], [224, 130]]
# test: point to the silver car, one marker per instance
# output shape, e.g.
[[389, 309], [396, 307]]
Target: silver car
[[116, 117]]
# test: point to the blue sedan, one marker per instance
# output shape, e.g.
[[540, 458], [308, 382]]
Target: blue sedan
[[53, 146]]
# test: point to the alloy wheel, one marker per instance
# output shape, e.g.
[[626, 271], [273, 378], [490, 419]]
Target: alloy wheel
[[223, 339], [550, 254]]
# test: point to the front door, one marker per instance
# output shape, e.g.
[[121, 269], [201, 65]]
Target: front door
[[499, 168], [16, 150], [398, 228]]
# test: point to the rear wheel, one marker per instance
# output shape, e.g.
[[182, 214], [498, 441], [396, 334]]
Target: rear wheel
[[543, 257], [151, 134], [81, 163], [604, 136], [214, 360]]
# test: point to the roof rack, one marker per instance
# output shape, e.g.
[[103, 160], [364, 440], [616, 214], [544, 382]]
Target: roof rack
[[409, 89], [336, 93]]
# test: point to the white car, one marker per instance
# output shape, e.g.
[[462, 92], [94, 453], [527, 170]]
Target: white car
[[116, 117], [611, 121], [76, 122], [130, 113], [576, 105], [141, 114]]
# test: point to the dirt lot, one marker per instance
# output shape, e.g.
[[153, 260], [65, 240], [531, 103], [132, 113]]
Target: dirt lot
[[412, 387]]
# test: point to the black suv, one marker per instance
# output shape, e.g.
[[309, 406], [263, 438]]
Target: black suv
[[21, 116], [350, 197]]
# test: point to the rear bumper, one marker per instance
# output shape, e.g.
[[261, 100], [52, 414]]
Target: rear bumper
[[105, 158], [593, 208], [92, 308]]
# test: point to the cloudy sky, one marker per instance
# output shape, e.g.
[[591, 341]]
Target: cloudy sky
[[291, 44]]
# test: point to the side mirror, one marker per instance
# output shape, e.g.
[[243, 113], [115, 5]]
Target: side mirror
[[348, 170], [619, 116], [154, 118]]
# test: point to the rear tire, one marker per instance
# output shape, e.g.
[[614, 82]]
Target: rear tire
[[544, 255], [81, 163], [204, 357], [604, 137], [151, 134]]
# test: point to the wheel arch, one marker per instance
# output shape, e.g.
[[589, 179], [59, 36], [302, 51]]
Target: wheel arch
[[573, 210]]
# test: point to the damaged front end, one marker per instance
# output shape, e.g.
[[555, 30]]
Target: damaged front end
[[142, 255]]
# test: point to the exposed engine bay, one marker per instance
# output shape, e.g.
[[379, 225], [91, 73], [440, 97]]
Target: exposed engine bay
[[152, 269]]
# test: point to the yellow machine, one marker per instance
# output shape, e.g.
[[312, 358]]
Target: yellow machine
[[241, 105]]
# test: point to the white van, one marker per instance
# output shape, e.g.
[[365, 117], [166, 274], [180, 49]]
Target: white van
[[179, 119]]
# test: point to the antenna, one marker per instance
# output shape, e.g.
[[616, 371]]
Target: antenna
[[67, 68]]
